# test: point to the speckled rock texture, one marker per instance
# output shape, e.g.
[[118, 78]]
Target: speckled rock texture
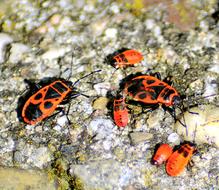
[[72, 38]]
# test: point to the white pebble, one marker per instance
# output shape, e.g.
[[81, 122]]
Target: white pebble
[[16, 52], [173, 138], [4, 40], [149, 24], [57, 128], [102, 88], [101, 127], [54, 53], [111, 32], [61, 121], [114, 9]]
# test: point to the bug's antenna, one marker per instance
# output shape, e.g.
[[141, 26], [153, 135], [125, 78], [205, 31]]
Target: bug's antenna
[[75, 83], [183, 117]]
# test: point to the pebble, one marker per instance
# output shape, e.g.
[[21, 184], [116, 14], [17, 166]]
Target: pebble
[[138, 137], [54, 53], [5, 39], [101, 127], [210, 87], [17, 52], [100, 103], [40, 157], [102, 88], [202, 127], [14, 178], [61, 121], [109, 170], [174, 138], [111, 33]]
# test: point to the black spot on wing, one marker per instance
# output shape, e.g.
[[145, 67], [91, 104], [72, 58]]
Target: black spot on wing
[[60, 87], [122, 56], [51, 93], [48, 105], [33, 112], [167, 92], [38, 96], [142, 95], [185, 154], [135, 87], [150, 81]]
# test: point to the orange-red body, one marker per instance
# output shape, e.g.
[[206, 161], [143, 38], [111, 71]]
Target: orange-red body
[[150, 91], [162, 154], [41, 101], [127, 58], [120, 112], [179, 159]]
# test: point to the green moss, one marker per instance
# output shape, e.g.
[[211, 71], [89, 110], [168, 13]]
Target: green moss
[[147, 178], [135, 7], [59, 172], [76, 183]]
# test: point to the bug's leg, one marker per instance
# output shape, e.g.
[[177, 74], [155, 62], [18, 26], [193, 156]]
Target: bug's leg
[[69, 122], [157, 75], [190, 165], [168, 80], [32, 85], [58, 109]]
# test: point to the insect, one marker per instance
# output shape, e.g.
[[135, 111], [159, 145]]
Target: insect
[[162, 154], [124, 57], [43, 98], [151, 92], [120, 112], [180, 159]]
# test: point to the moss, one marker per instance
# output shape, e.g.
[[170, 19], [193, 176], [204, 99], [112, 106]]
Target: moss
[[76, 183], [147, 178], [60, 173], [135, 7]]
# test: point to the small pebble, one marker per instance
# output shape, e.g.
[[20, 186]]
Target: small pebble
[[4, 40], [17, 51], [173, 138], [100, 103], [111, 32], [138, 137]]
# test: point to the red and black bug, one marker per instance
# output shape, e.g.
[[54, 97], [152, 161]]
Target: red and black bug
[[151, 92], [124, 57], [120, 112], [179, 159], [43, 98]]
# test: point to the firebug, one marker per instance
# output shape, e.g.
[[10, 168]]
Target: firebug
[[124, 58], [162, 154], [180, 159], [120, 112], [43, 98], [151, 92]]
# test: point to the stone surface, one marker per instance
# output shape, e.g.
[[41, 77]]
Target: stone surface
[[202, 125], [13, 178], [69, 40]]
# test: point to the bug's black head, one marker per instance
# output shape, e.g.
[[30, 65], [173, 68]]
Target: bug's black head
[[177, 100], [109, 59]]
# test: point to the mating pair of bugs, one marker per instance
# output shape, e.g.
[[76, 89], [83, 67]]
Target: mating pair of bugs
[[177, 160]]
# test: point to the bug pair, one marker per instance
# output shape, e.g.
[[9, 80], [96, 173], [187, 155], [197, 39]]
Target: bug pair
[[149, 91], [176, 161]]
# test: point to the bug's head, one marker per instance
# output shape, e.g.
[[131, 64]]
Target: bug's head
[[177, 100]]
